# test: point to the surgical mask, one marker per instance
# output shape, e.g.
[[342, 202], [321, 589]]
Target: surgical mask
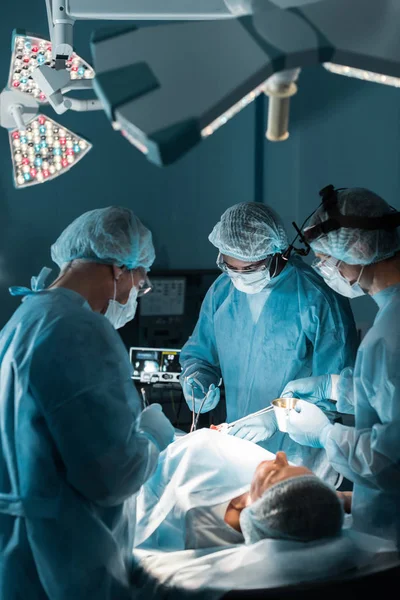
[[250, 283], [340, 285], [329, 269], [119, 314]]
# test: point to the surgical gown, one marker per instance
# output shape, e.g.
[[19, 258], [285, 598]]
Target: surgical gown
[[70, 454], [300, 328], [369, 453]]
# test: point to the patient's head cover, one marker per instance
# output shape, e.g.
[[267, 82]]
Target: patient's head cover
[[300, 508]]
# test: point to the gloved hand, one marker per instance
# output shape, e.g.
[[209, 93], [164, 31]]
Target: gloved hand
[[256, 429], [155, 424], [318, 390], [308, 425], [196, 384]]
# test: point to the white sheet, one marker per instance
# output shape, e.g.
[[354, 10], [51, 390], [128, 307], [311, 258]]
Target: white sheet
[[267, 564], [202, 469], [206, 468], [206, 527]]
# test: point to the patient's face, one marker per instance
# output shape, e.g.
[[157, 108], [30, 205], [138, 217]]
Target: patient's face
[[270, 472]]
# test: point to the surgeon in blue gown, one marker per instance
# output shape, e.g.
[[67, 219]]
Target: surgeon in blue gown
[[75, 447], [265, 321], [354, 261]]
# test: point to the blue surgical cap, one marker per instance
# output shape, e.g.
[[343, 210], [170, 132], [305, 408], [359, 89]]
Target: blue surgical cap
[[357, 246], [249, 231], [112, 235], [300, 508]]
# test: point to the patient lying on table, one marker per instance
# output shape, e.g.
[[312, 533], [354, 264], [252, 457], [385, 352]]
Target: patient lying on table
[[212, 490]]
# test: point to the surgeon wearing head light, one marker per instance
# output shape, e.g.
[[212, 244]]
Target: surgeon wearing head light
[[355, 237], [267, 319], [74, 444]]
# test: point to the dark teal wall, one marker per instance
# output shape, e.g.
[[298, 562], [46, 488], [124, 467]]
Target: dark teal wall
[[180, 203]]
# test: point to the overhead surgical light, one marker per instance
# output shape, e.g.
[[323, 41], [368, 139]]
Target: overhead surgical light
[[166, 88], [165, 104], [188, 79], [231, 112], [62, 15], [42, 149], [30, 52], [361, 74]]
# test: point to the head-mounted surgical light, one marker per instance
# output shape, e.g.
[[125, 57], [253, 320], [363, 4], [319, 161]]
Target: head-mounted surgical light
[[336, 220]]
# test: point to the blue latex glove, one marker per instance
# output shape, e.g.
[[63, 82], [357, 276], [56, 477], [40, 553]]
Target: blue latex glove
[[156, 426], [317, 390], [308, 425], [196, 384], [256, 429]]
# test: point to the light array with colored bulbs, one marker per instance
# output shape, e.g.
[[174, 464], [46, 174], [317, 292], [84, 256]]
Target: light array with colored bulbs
[[361, 74], [231, 112], [31, 52], [43, 151]]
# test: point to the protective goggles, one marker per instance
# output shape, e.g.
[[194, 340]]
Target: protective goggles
[[327, 267], [262, 265], [145, 286]]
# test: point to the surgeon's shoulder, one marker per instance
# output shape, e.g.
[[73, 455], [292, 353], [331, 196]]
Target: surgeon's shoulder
[[216, 295], [220, 289], [67, 315]]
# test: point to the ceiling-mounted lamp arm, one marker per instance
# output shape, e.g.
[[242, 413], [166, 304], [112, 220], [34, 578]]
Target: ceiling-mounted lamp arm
[[131, 10], [77, 84], [51, 82], [62, 14], [280, 87], [81, 105], [17, 111], [61, 31], [49, 12]]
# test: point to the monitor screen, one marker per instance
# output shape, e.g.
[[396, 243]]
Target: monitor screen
[[154, 365]]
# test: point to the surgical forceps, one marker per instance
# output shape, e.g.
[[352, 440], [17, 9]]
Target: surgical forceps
[[255, 414]]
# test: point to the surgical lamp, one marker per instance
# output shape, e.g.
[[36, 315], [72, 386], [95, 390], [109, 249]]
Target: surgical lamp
[[63, 13], [362, 74], [42, 149], [167, 87]]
